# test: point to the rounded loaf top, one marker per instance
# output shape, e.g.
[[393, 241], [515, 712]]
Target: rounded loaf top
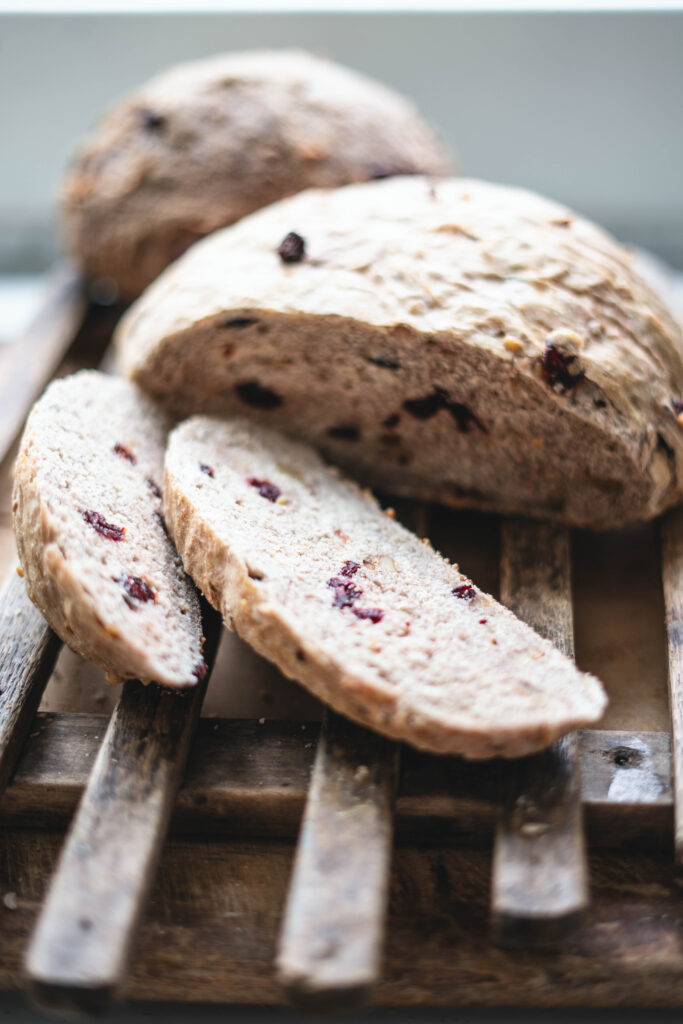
[[205, 143], [507, 343]]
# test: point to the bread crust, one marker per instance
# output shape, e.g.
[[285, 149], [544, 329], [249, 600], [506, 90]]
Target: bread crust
[[456, 341], [206, 143], [470, 679]]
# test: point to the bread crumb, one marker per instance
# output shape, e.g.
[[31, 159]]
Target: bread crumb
[[20, 572], [391, 513], [679, 420]]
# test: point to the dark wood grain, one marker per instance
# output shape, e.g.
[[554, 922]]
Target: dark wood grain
[[80, 950], [540, 875], [248, 779], [331, 941], [213, 916], [28, 651], [31, 359], [672, 581]]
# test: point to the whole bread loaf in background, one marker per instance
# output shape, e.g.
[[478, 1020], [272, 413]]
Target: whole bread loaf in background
[[310, 571], [456, 341], [92, 543], [205, 143]]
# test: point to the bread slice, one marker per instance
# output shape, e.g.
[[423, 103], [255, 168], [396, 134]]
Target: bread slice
[[309, 570], [203, 144], [456, 341], [92, 542]]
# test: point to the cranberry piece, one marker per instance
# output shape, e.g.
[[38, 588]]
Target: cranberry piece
[[103, 527], [430, 405], [373, 614], [349, 568], [346, 593], [253, 393], [483, 621], [138, 589], [200, 670], [344, 433], [465, 591], [238, 323], [154, 487], [557, 368], [125, 453], [678, 405], [464, 417], [384, 362], [267, 490], [292, 248], [425, 408], [152, 121], [206, 469]]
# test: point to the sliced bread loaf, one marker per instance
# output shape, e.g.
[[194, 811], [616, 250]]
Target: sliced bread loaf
[[203, 144], [459, 341], [92, 542], [309, 570]]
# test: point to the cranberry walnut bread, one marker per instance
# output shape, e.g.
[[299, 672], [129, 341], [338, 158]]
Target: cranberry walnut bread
[[203, 144], [92, 543], [454, 341], [309, 571]]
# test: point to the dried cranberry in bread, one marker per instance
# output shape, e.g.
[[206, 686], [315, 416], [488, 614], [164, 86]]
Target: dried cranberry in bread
[[455, 341], [203, 144], [92, 543], [310, 571]]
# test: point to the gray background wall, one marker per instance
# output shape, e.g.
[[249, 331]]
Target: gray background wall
[[585, 106]]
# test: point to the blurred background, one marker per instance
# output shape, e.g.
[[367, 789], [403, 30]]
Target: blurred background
[[580, 101]]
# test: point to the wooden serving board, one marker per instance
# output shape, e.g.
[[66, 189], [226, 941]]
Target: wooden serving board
[[463, 927]]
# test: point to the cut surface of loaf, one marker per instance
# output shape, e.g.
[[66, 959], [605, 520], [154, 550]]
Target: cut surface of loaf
[[454, 341], [91, 539], [309, 570], [205, 143]]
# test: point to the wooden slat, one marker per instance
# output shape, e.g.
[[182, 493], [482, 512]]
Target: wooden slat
[[672, 580], [540, 875], [80, 950], [28, 651], [249, 779], [331, 940], [31, 359]]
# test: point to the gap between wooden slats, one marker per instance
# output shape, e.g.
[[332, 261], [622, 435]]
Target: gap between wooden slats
[[28, 651], [79, 953], [540, 874], [32, 359], [329, 954], [672, 580]]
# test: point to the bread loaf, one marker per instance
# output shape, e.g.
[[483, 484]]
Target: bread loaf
[[455, 341], [203, 144]]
